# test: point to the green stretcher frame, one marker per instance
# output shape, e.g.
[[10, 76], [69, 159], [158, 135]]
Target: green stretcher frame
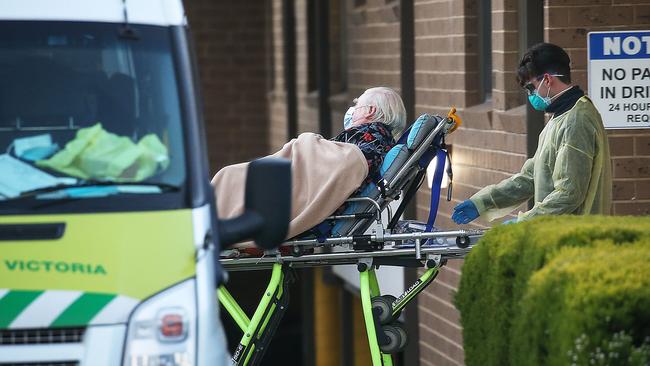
[[259, 330]]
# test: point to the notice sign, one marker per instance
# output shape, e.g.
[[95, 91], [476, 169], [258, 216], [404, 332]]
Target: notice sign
[[619, 77]]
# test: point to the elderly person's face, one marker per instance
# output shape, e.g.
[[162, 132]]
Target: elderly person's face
[[363, 111]]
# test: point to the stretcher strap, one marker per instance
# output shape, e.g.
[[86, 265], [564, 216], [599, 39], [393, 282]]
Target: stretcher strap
[[441, 159]]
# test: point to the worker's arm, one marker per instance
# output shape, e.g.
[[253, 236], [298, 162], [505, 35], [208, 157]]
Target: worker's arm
[[499, 199], [572, 170]]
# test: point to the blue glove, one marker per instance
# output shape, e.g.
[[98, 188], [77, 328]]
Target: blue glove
[[511, 221], [465, 212]]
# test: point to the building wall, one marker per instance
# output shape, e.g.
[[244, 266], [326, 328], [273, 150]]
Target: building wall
[[245, 92], [373, 45], [491, 145], [277, 97], [231, 52], [368, 56]]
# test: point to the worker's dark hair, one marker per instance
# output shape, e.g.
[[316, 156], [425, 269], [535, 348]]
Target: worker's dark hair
[[544, 58]]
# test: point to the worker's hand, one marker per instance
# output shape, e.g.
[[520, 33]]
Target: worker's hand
[[465, 212], [511, 221]]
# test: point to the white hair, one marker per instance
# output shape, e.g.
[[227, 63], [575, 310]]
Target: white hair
[[389, 108]]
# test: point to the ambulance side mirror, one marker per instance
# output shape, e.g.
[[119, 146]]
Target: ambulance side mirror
[[267, 206]]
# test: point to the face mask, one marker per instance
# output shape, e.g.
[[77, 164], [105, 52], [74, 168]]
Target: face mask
[[347, 119], [35, 148], [537, 101], [39, 153]]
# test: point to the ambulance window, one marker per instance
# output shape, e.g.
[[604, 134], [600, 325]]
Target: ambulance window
[[110, 103]]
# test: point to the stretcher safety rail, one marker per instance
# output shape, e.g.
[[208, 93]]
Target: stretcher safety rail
[[458, 244], [395, 183]]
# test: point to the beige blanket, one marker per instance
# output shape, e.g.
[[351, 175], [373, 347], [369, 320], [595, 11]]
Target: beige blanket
[[324, 174]]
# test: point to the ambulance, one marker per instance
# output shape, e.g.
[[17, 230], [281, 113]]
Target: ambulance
[[108, 233]]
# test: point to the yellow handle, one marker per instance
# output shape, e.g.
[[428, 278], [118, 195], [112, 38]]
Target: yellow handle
[[454, 117]]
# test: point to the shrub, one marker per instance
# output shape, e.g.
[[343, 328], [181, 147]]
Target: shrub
[[584, 297], [619, 350], [497, 274]]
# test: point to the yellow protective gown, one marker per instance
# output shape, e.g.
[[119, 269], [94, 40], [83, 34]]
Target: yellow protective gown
[[569, 174]]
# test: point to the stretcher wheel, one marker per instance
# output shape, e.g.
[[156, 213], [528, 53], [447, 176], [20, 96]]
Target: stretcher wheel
[[297, 250], [397, 339], [384, 304], [462, 241], [404, 336]]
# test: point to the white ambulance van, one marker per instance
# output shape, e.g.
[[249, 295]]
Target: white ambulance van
[[108, 232]]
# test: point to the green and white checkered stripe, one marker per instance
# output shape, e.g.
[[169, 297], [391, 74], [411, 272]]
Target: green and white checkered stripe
[[57, 308]]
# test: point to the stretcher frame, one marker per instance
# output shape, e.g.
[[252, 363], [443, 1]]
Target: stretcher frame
[[367, 251], [260, 328]]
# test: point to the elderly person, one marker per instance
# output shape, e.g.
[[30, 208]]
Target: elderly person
[[325, 173], [373, 123]]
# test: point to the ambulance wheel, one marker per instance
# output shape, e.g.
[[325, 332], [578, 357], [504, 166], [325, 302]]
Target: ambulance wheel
[[462, 241], [385, 306], [396, 339], [297, 250]]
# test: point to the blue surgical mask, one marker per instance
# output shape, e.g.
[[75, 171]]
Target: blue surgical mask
[[347, 119], [539, 102], [40, 152], [34, 148]]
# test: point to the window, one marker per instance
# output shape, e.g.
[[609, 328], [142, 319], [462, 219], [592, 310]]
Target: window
[[60, 77], [485, 48]]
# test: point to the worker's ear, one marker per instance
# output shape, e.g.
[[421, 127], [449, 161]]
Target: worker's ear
[[548, 78]]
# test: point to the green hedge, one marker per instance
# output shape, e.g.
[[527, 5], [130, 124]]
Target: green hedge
[[557, 290]]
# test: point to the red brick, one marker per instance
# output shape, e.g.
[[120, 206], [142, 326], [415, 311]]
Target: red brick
[[632, 208], [631, 167], [562, 3], [507, 61], [623, 190], [643, 189], [504, 20], [628, 2], [505, 100], [505, 41], [642, 14], [621, 146], [504, 5], [437, 340], [512, 120], [568, 37], [600, 15], [642, 145]]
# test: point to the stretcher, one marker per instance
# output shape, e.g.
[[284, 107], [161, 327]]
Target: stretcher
[[360, 235]]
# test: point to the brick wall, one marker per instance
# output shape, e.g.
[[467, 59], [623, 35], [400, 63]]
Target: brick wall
[[277, 96], [231, 53], [492, 143], [374, 46], [369, 56], [445, 63], [490, 146], [567, 24]]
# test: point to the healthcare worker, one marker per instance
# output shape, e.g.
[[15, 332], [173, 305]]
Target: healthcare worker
[[570, 172]]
